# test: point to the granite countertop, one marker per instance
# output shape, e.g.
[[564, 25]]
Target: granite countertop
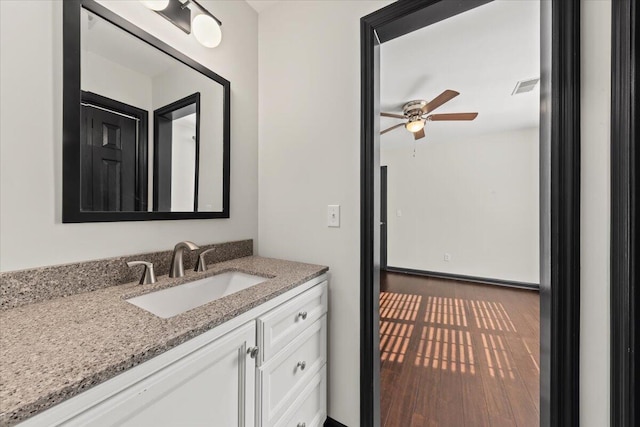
[[53, 350]]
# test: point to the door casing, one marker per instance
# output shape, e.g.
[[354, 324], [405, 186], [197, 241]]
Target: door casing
[[559, 204]]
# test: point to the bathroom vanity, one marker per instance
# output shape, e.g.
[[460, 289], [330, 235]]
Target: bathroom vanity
[[147, 136], [256, 357]]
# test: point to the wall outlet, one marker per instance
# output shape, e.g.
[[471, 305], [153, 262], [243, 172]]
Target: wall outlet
[[333, 216], [447, 257]]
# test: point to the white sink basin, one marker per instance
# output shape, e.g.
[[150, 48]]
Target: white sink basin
[[173, 301]]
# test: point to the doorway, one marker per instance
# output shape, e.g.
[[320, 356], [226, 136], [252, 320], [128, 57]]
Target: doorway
[[559, 187], [177, 155]]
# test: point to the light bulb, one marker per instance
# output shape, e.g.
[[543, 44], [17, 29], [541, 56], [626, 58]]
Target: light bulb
[[206, 30], [415, 126], [155, 4]]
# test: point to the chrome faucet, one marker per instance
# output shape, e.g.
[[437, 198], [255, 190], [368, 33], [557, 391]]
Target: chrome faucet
[[177, 265]]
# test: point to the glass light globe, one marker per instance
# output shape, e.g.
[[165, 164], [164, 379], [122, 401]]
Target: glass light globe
[[415, 126], [155, 4], [206, 30]]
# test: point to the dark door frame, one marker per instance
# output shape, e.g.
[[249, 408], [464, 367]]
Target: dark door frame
[[383, 217], [625, 201], [176, 110], [560, 198]]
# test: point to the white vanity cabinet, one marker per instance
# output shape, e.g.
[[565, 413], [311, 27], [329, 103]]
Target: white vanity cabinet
[[215, 379], [194, 384]]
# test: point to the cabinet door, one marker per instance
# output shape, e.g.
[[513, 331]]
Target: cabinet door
[[282, 378], [212, 386]]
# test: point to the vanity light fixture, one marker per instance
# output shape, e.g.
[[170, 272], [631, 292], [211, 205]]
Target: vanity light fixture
[[155, 4], [207, 30], [205, 27]]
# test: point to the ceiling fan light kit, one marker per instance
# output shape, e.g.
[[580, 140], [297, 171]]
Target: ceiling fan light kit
[[415, 125], [417, 113]]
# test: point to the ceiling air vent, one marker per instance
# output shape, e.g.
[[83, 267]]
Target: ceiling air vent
[[525, 86]]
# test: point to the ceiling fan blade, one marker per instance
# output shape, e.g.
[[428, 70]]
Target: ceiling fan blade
[[395, 116], [452, 116], [391, 128], [419, 134], [445, 96]]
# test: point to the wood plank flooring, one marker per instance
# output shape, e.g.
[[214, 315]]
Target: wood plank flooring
[[457, 354]]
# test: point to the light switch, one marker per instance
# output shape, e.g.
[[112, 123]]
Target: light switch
[[398, 213], [333, 216]]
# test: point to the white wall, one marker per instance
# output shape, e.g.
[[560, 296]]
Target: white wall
[[595, 87], [107, 78], [309, 158], [474, 198], [31, 137]]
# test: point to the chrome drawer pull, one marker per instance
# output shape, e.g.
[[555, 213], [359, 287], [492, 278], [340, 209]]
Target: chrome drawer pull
[[302, 365], [302, 424], [303, 314], [253, 352]]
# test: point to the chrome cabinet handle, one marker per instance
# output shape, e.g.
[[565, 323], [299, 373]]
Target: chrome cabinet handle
[[301, 365], [303, 314], [302, 424], [253, 352], [148, 275]]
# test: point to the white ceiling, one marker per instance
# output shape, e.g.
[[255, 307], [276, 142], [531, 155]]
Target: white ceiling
[[482, 54], [105, 39], [260, 5]]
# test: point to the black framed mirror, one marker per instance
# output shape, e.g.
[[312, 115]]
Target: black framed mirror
[[146, 129]]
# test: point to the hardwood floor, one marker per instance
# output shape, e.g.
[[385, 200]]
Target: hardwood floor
[[458, 354]]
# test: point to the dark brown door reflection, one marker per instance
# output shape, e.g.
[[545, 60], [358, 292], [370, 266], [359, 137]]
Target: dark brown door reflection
[[108, 163]]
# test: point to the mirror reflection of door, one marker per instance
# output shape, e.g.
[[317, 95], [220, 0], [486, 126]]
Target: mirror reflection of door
[[187, 174], [177, 152], [113, 171]]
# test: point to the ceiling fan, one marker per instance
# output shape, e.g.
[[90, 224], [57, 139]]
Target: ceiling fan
[[417, 113]]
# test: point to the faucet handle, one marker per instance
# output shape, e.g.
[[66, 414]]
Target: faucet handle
[[148, 275], [201, 264]]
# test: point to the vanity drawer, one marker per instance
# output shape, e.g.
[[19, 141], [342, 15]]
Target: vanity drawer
[[286, 375], [281, 325], [310, 408]]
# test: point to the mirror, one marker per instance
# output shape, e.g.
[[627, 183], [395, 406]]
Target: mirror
[[146, 129]]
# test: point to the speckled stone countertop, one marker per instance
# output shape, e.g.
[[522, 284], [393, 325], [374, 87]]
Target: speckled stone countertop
[[53, 350]]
